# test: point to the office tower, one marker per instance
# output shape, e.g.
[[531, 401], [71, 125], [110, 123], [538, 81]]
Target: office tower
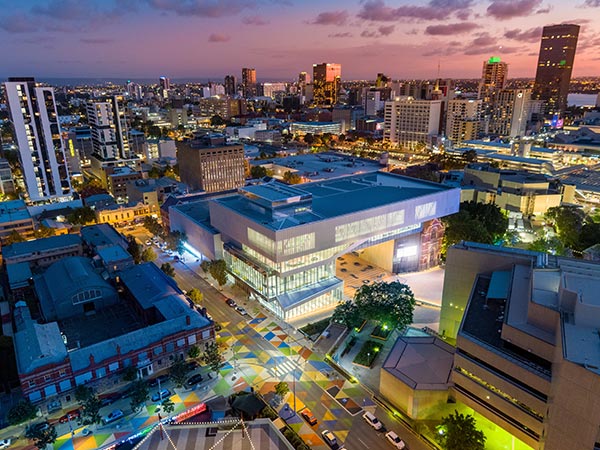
[[35, 121], [165, 85], [209, 164], [109, 129], [510, 112], [462, 120], [249, 82], [326, 83], [303, 80], [229, 84], [493, 78], [372, 102], [412, 123], [555, 65], [269, 89]]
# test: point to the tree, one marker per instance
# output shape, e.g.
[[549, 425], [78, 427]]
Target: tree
[[551, 245], [309, 138], [90, 405], [175, 241], [43, 232], [218, 270], [134, 249], [148, 255], [13, 238], [178, 372], [347, 313], [216, 121], [282, 388], [151, 224], [292, 178], [168, 269], [458, 432], [195, 295], [205, 265], [82, 216], [476, 222], [212, 357], [568, 221], [168, 406], [194, 352], [42, 438], [139, 394], [130, 373], [258, 172], [22, 412]]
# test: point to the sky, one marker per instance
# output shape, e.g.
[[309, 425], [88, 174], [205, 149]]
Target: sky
[[211, 38]]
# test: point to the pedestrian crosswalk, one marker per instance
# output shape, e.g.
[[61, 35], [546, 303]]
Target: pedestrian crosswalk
[[283, 368]]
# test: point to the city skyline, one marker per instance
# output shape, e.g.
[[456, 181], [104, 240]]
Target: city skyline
[[210, 39]]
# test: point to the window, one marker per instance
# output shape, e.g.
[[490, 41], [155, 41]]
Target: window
[[31, 383], [62, 373], [47, 377], [180, 342]]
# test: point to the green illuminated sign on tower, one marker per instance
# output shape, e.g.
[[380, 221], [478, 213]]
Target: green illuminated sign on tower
[[494, 59]]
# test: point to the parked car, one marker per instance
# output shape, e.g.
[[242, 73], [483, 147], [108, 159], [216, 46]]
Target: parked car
[[330, 439], [192, 365], [71, 415], [241, 310], [40, 426], [154, 381], [395, 440], [113, 416], [5, 443], [309, 416], [161, 395], [231, 302], [372, 420], [194, 380]]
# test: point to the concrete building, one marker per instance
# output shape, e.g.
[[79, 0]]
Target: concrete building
[[116, 182], [108, 124], [347, 116], [249, 87], [526, 342], [510, 112], [42, 252], [463, 119], [14, 216], [120, 214], [7, 184], [411, 123], [270, 89], [178, 117], [34, 118], [316, 127], [327, 81], [209, 164], [281, 242], [150, 325], [555, 65], [153, 191]]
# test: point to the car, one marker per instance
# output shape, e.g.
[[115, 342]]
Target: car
[[395, 440], [309, 416], [372, 420], [161, 395], [194, 379], [40, 426], [5, 443], [330, 439], [113, 416], [231, 302], [159, 379], [71, 415], [148, 242], [241, 310]]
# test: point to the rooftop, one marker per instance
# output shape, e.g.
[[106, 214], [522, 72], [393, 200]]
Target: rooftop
[[40, 245], [422, 363], [102, 235], [113, 253], [13, 210]]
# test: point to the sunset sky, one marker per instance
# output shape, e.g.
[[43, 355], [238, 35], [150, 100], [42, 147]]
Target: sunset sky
[[211, 38]]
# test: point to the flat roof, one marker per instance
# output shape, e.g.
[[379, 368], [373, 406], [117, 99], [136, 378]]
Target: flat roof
[[113, 253], [332, 198], [13, 210], [40, 245], [422, 363], [101, 234]]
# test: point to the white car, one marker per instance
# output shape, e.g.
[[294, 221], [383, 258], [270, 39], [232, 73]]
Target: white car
[[395, 440], [113, 416], [5, 443], [372, 420]]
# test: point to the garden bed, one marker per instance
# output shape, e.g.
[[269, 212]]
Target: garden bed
[[381, 332], [367, 354], [314, 330]]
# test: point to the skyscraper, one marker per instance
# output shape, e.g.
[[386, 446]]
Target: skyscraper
[[555, 65], [35, 120], [510, 113], [493, 77], [229, 84], [109, 129], [165, 85], [326, 83], [462, 120], [249, 82], [412, 123]]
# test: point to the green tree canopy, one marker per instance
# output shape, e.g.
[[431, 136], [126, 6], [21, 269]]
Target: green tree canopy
[[42, 438], [175, 241], [148, 255], [178, 372], [282, 388], [23, 411], [309, 138], [212, 357], [391, 304], [167, 406], [139, 394], [476, 222], [168, 269], [90, 405], [195, 295], [153, 226], [568, 221], [216, 121], [43, 232], [258, 172], [13, 238], [292, 177], [218, 270], [459, 432], [194, 352], [82, 216], [134, 249]]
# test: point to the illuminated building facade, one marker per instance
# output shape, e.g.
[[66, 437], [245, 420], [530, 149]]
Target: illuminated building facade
[[37, 131], [108, 126], [555, 65], [249, 82], [411, 123], [327, 79], [281, 242]]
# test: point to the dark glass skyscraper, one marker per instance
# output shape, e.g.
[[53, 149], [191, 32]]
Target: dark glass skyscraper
[[555, 65]]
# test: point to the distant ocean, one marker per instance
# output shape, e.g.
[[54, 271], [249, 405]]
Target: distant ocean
[[582, 100]]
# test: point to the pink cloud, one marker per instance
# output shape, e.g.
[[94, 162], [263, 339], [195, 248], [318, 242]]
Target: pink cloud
[[507, 9], [451, 28], [331, 18], [217, 37]]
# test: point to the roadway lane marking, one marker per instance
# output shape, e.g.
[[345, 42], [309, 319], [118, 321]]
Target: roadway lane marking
[[363, 442]]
